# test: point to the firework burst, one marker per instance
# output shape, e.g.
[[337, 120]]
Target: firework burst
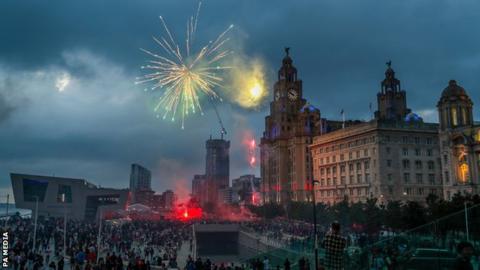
[[185, 75]]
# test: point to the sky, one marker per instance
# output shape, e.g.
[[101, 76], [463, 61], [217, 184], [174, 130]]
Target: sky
[[69, 106]]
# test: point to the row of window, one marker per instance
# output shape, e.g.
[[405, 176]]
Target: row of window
[[418, 164], [351, 180], [417, 151], [412, 140], [351, 167], [341, 146], [358, 154], [419, 178]]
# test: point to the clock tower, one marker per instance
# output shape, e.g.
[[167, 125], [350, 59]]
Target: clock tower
[[286, 166]]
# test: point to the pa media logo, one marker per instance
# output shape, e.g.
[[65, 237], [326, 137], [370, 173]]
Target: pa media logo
[[5, 262]]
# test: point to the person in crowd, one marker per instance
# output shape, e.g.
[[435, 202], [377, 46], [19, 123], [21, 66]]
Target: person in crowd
[[465, 251], [334, 245]]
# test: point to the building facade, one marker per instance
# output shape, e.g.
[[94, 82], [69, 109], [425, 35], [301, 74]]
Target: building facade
[[246, 189], [56, 196], [395, 156], [140, 178], [286, 169], [459, 141]]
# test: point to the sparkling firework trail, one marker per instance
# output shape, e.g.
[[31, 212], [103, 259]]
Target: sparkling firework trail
[[185, 76]]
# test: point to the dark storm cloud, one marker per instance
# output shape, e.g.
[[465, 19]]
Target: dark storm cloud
[[339, 47]]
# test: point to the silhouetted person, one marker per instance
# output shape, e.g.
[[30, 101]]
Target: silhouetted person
[[465, 252], [334, 245], [286, 264]]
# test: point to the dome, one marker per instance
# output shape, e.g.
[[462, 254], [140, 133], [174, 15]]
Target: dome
[[413, 118], [308, 108], [453, 90]]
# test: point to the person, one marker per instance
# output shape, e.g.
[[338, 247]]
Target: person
[[60, 263], [286, 264], [334, 245], [266, 263], [465, 252]]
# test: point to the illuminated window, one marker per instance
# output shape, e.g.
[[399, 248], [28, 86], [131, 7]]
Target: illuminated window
[[454, 116], [463, 172]]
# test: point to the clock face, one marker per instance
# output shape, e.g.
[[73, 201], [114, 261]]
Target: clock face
[[292, 94], [277, 95]]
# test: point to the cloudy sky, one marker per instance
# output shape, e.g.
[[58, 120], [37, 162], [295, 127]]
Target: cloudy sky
[[69, 106]]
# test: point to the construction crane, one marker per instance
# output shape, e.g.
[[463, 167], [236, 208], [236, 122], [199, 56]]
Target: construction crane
[[223, 131]]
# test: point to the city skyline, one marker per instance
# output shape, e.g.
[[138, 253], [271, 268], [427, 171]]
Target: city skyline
[[69, 106]]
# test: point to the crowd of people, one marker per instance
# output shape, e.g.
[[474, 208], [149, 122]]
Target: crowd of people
[[155, 244], [126, 245]]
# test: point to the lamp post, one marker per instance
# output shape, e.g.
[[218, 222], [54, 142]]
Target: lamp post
[[466, 220], [99, 233], [315, 223], [64, 226], [35, 225]]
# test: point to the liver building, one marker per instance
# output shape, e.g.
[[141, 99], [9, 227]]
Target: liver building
[[395, 156]]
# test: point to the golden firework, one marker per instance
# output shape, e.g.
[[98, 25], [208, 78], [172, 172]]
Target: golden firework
[[185, 76]]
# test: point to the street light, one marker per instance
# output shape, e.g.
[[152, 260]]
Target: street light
[[315, 223], [35, 226], [64, 226], [99, 233]]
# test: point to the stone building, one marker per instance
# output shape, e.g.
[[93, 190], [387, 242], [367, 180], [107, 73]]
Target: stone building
[[459, 141], [286, 169], [395, 156]]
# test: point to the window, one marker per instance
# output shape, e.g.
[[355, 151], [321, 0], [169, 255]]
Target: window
[[365, 153], [390, 190], [405, 139], [334, 159], [431, 165], [367, 178], [417, 140], [389, 163], [389, 177], [445, 158], [67, 190], [328, 170], [342, 168], [388, 149], [342, 157], [334, 181], [418, 152], [405, 151], [323, 182], [447, 177], [367, 165], [406, 178], [359, 178], [328, 160], [406, 164], [420, 191], [342, 180], [352, 180], [431, 179], [329, 182], [350, 155], [429, 140], [34, 189], [359, 166], [322, 171], [350, 167], [357, 154], [418, 164], [429, 152], [419, 178], [334, 170]]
